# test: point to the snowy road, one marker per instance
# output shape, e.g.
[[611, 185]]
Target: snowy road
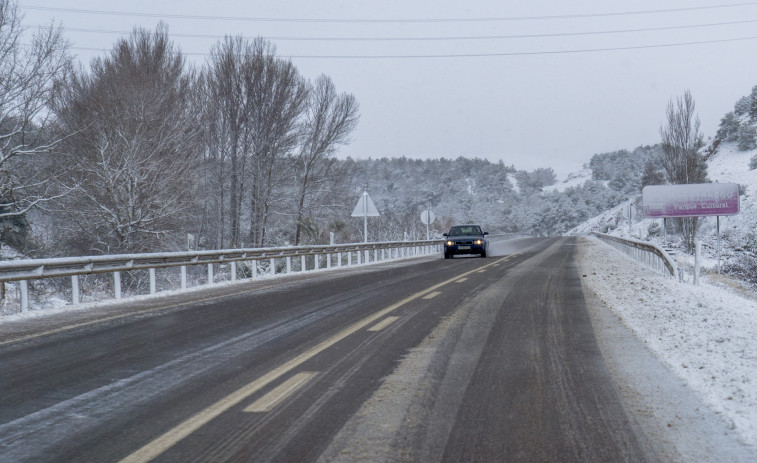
[[461, 360]]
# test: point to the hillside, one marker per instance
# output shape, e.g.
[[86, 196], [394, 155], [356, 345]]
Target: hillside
[[738, 237]]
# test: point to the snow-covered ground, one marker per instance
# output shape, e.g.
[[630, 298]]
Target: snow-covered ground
[[573, 180], [706, 335], [729, 165]]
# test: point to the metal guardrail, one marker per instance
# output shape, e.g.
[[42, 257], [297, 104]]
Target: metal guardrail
[[649, 254], [31, 269]]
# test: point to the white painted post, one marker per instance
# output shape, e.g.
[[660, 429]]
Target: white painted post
[[210, 274], [317, 262], [233, 270], [183, 277], [697, 260], [272, 270], [117, 284], [75, 297], [153, 285], [289, 264], [303, 263], [328, 260], [24, 288], [339, 259], [349, 258]]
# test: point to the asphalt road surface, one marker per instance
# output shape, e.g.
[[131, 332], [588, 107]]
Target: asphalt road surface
[[433, 360]]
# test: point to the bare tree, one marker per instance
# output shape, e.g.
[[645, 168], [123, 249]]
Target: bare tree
[[228, 118], [134, 152], [681, 141], [277, 96], [27, 76], [329, 120]]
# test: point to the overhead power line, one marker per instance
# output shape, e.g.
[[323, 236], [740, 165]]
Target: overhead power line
[[369, 20], [450, 38], [488, 55]]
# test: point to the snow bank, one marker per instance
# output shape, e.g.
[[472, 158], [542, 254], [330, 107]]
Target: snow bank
[[706, 335]]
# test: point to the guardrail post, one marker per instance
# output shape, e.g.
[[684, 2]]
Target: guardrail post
[[210, 274], [117, 284], [23, 286], [339, 259], [75, 290], [317, 262], [153, 285], [289, 264], [303, 263], [272, 270], [233, 264], [349, 258], [183, 277], [328, 260], [254, 269]]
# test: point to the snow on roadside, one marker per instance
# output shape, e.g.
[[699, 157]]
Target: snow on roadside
[[706, 335]]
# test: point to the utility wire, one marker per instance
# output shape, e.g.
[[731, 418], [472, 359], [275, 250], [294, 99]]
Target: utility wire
[[485, 55], [366, 20], [451, 38]]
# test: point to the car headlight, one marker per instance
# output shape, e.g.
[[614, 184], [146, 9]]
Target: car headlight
[[479, 242], [449, 243]]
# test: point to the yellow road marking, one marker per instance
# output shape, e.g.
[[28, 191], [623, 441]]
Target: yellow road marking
[[432, 295], [269, 401], [383, 324], [171, 437]]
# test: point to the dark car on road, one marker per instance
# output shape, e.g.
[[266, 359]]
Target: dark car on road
[[465, 239]]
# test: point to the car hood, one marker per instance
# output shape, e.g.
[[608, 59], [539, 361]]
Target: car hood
[[465, 237]]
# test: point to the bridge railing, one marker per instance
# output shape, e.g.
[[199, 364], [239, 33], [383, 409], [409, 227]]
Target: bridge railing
[[311, 258], [649, 254]]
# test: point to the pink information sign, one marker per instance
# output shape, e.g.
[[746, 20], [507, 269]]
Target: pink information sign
[[699, 199]]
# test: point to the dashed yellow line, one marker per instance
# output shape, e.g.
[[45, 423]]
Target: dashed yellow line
[[432, 295], [269, 401], [383, 324]]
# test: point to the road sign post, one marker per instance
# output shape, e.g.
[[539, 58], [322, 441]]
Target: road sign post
[[427, 217], [365, 208]]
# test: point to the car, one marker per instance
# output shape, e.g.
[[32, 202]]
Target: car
[[465, 239]]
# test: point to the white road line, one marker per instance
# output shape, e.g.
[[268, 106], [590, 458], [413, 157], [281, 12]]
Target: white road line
[[432, 295], [269, 401], [461, 280]]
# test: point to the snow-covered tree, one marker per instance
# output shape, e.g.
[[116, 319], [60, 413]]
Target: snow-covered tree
[[729, 127], [328, 122], [134, 149], [747, 137], [27, 76], [681, 141]]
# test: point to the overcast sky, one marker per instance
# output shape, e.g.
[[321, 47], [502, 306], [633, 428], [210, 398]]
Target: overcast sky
[[525, 91]]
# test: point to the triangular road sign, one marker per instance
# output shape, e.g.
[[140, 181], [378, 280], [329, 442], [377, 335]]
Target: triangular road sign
[[365, 207]]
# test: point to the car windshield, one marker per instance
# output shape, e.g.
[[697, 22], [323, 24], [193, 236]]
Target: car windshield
[[465, 230]]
